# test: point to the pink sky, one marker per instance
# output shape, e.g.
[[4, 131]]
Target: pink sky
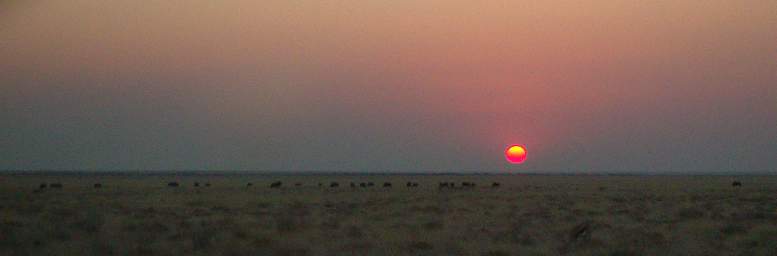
[[389, 85]]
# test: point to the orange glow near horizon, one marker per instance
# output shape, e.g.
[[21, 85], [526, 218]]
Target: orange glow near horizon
[[515, 154]]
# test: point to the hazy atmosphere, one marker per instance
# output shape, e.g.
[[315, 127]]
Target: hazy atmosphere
[[585, 86]]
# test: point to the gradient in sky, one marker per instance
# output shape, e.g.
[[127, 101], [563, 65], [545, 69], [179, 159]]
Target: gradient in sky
[[368, 85]]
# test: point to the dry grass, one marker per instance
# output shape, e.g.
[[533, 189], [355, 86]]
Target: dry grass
[[527, 215]]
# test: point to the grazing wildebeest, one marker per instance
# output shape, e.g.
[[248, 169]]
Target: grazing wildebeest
[[364, 185], [196, 184], [172, 184], [468, 184], [207, 184], [276, 184], [736, 184], [297, 184], [320, 185], [443, 185], [370, 184], [353, 185], [495, 185], [411, 184], [334, 185], [55, 185], [42, 186], [249, 184], [98, 185], [386, 184]]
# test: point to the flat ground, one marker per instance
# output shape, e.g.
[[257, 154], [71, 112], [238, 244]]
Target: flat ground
[[527, 215]]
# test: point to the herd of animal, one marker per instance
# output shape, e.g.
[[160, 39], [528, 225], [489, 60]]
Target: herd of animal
[[409, 184], [278, 184]]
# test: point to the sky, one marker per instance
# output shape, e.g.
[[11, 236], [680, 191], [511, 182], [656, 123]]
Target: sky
[[401, 85]]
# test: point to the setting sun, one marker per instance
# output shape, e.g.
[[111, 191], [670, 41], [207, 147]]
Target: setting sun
[[515, 154]]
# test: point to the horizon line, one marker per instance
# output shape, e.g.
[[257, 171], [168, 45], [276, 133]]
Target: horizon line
[[383, 172]]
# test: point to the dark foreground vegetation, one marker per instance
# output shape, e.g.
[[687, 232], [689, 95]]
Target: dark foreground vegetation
[[387, 215]]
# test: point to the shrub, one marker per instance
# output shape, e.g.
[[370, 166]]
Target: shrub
[[690, 213], [420, 245], [433, 225], [731, 228], [91, 222]]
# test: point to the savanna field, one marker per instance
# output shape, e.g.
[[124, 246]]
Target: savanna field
[[525, 215]]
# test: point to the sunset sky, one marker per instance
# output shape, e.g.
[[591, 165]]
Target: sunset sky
[[377, 85]]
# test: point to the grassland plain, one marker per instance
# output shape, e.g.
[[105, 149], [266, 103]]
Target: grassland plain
[[526, 215]]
